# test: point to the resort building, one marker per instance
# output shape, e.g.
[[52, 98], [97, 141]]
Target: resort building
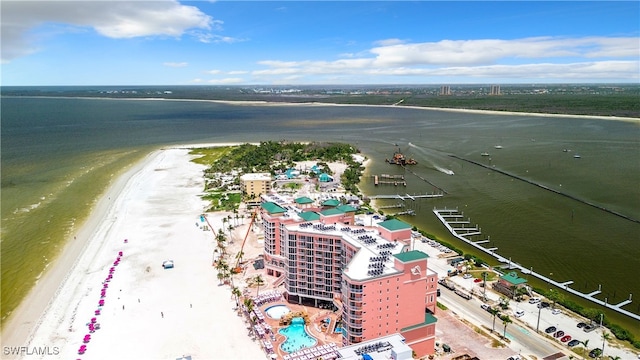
[[368, 274], [253, 185]]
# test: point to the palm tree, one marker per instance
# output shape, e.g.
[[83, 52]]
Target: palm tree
[[494, 312], [236, 293], [586, 345], [249, 304], [506, 321], [555, 296], [258, 281], [220, 277]]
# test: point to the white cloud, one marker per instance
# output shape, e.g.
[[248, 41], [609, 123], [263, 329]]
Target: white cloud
[[213, 72], [237, 72], [488, 51], [114, 19], [176, 64], [550, 58]]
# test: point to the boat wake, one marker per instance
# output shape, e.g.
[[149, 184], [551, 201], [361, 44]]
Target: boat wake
[[430, 156]]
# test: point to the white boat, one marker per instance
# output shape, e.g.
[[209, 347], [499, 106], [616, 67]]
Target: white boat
[[484, 154], [498, 146], [576, 156]]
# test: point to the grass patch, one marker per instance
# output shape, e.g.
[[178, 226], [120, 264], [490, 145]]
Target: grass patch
[[209, 155], [441, 306], [223, 201]]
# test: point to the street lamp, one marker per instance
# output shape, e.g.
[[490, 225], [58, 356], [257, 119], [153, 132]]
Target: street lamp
[[484, 286], [538, 325]]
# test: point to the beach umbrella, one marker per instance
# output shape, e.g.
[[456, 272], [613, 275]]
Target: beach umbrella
[[97, 312], [101, 302], [120, 253]]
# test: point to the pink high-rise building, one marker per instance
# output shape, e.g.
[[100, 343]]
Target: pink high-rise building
[[369, 273]]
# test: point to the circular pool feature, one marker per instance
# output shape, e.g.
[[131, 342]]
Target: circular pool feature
[[277, 311]]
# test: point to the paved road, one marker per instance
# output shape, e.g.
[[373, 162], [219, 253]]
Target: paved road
[[523, 340]]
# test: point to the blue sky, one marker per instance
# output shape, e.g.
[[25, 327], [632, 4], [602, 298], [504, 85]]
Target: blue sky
[[168, 42]]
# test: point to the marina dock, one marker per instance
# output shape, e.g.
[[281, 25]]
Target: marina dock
[[389, 180], [405, 196], [445, 215]]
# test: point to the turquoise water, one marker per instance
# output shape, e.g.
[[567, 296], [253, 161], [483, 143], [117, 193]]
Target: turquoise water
[[277, 311], [59, 154], [297, 337]]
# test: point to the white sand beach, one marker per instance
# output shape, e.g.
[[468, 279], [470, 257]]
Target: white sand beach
[[149, 312]]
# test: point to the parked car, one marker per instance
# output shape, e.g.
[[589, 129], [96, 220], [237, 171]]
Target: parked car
[[581, 325], [534, 300], [519, 313], [573, 343], [566, 338], [595, 353], [543, 305], [485, 307], [550, 329], [589, 328], [556, 311], [558, 334], [467, 276]]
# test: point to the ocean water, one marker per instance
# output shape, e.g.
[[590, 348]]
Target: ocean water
[[59, 154]]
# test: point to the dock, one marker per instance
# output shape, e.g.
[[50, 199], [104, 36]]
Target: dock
[[393, 181], [444, 214], [405, 196]]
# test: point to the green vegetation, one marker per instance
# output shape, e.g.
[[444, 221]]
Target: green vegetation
[[272, 157], [441, 306], [591, 314], [207, 156], [221, 201]]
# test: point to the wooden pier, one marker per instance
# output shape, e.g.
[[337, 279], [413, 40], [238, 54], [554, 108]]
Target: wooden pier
[[394, 180]]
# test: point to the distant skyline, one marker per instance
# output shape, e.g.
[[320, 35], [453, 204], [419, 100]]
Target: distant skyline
[[167, 42]]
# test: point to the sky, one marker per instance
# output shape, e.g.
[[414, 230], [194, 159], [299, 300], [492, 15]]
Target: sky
[[170, 42]]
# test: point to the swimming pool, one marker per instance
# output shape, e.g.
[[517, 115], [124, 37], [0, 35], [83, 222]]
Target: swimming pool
[[277, 311], [297, 337]]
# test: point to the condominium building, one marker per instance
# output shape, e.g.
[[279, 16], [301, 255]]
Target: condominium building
[[368, 273], [495, 90], [445, 90], [255, 184]]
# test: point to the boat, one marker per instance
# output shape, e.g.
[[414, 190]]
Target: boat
[[498, 146], [576, 156], [400, 159], [484, 154]]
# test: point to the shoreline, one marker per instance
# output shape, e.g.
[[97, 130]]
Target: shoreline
[[54, 314], [284, 103], [20, 323]]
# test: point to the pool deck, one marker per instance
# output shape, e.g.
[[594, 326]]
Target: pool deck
[[315, 328]]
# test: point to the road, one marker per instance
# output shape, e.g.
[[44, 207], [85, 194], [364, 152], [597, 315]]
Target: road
[[523, 340]]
